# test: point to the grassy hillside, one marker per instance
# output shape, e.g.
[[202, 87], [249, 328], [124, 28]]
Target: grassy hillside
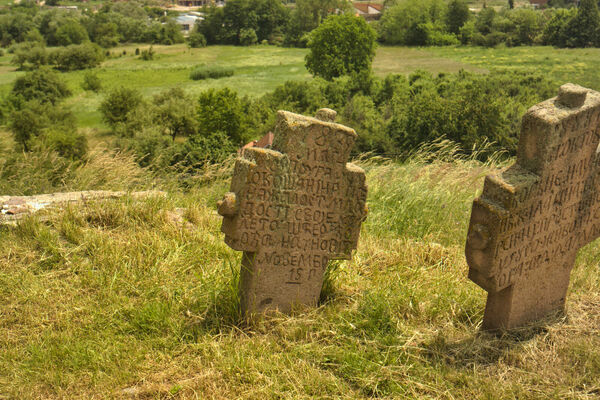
[[260, 69], [137, 299], [130, 299]]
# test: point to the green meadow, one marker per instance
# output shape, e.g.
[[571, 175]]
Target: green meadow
[[261, 69]]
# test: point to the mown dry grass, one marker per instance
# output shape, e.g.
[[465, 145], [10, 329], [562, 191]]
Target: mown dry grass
[[129, 299]]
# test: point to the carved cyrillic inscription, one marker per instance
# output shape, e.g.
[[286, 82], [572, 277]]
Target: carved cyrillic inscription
[[292, 209], [532, 218]]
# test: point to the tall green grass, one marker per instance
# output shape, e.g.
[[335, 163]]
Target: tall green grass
[[138, 299], [210, 72]]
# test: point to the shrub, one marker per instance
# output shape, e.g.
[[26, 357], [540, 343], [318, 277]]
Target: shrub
[[69, 145], [222, 111], [70, 32], [91, 82], [76, 57], [26, 124], [196, 39], [43, 85], [174, 113], [199, 150], [30, 55], [147, 55], [148, 145], [118, 104], [33, 119], [248, 37], [210, 72]]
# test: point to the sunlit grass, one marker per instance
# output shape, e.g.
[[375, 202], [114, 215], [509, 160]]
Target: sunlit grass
[[137, 299]]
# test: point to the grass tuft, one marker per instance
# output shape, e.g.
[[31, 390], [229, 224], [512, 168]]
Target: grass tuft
[[210, 72]]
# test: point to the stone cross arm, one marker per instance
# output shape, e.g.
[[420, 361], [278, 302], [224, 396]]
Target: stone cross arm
[[532, 218]]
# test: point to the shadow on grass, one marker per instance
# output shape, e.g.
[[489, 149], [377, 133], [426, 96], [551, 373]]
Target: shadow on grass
[[218, 310], [486, 347]]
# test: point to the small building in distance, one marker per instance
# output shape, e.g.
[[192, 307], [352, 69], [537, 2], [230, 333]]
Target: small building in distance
[[193, 3], [369, 11], [188, 21], [538, 3]]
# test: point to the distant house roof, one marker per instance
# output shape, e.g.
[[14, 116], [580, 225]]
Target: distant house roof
[[188, 19], [372, 10], [264, 142]]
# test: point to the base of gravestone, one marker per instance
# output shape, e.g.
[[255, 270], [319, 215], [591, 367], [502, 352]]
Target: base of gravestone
[[258, 293], [523, 302]]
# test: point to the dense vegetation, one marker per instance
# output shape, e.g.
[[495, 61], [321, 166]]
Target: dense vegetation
[[436, 22], [409, 22], [394, 115], [114, 23]]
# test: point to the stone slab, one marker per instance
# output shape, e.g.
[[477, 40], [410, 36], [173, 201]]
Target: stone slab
[[293, 208], [532, 218]]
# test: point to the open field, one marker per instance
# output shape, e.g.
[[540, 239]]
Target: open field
[[260, 69], [563, 65], [130, 300]]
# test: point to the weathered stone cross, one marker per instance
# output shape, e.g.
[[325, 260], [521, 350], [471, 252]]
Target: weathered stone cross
[[531, 219], [292, 209]]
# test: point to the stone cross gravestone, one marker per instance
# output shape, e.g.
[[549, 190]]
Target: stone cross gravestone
[[293, 208], [532, 218]]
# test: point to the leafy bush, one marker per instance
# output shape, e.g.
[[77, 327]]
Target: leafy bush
[[70, 145], [148, 54], [91, 82], [247, 37], [33, 120], [196, 39], [199, 150], [148, 144], [222, 111], [210, 72], [43, 85], [71, 32], [30, 55], [118, 104], [77, 56], [174, 113]]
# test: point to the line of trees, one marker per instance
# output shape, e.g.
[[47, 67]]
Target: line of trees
[[247, 22], [437, 22], [407, 22], [114, 23]]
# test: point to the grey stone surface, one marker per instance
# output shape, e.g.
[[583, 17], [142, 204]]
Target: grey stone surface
[[532, 218], [291, 209]]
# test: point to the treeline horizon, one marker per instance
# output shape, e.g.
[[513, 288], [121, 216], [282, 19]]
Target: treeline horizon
[[249, 22]]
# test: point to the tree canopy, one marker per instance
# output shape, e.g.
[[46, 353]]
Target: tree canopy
[[341, 45]]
